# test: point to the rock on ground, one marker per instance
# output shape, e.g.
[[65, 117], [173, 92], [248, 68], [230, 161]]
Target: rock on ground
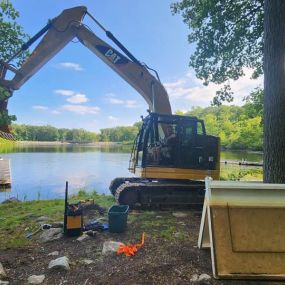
[[42, 219], [87, 261], [204, 277], [200, 279], [4, 282], [57, 225], [110, 246], [3, 273], [36, 279], [83, 237], [179, 215], [59, 263], [194, 278], [54, 253], [51, 234]]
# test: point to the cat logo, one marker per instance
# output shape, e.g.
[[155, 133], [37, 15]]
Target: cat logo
[[112, 56]]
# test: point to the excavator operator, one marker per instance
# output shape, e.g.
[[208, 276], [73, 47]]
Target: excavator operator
[[169, 145], [170, 136]]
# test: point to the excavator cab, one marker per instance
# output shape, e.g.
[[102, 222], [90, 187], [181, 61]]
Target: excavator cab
[[171, 157], [176, 147]]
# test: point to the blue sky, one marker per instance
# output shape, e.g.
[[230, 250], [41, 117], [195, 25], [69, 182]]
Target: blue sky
[[77, 90]]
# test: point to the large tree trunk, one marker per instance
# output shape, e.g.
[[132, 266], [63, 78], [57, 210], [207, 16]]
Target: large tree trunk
[[274, 87]]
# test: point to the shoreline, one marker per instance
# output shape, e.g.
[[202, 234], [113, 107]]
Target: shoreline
[[43, 143], [111, 144]]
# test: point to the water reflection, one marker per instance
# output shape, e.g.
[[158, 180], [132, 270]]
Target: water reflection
[[252, 156], [57, 147], [40, 172]]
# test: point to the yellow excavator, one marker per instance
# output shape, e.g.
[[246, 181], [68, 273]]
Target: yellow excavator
[[171, 155]]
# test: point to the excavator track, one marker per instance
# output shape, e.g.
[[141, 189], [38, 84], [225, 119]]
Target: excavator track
[[140, 193]]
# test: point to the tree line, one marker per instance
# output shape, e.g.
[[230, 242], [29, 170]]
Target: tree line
[[50, 133], [239, 127]]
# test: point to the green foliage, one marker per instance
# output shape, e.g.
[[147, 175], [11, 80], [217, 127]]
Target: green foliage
[[119, 134], [50, 133], [11, 39], [236, 126], [4, 94], [6, 119], [228, 37], [138, 124], [251, 174], [12, 35], [6, 145], [254, 103]]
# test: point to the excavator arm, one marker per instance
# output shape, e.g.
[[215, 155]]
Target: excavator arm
[[58, 33]]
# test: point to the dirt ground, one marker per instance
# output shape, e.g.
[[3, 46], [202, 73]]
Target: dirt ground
[[167, 257]]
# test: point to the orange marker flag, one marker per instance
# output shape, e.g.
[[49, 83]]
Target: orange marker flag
[[131, 249]]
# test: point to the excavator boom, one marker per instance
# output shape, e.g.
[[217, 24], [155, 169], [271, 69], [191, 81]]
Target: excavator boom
[[171, 155], [59, 32]]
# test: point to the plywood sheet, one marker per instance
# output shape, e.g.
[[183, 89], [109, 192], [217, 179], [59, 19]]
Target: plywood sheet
[[246, 230], [257, 229]]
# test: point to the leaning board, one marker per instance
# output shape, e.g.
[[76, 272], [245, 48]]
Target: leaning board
[[244, 225], [5, 172]]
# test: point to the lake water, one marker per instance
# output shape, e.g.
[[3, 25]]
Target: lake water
[[40, 172]]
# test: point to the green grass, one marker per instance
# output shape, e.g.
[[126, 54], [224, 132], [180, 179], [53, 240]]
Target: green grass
[[157, 224], [249, 174], [6, 145], [16, 219]]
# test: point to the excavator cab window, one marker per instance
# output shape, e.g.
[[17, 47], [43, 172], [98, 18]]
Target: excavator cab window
[[174, 141], [152, 144], [161, 141], [201, 128], [169, 142], [140, 142]]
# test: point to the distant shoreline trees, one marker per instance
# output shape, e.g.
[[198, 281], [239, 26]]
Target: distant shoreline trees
[[239, 127]]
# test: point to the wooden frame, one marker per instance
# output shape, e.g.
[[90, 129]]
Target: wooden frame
[[243, 223]]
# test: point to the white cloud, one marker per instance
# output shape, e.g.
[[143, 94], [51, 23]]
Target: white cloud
[[64, 92], [110, 95], [112, 99], [77, 99], [55, 112], [40, 107], [73, 96], [116, 101], [70, 65], [131, 104], [113, 119], [80, 109], [190, 91]]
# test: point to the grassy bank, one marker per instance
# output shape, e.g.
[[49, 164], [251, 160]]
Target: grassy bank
[[248, 174], [6, 145], [17, 219]]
